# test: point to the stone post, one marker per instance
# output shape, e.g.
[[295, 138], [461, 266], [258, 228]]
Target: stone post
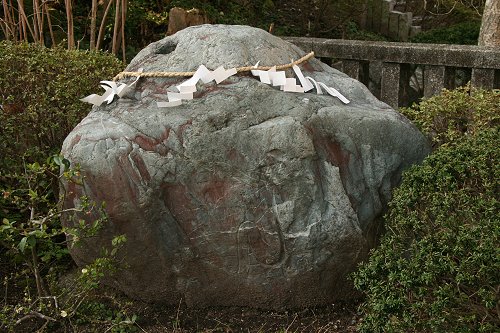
[[356, 69], [386, 8], [405, 20], [394, 25], [433, 80], [369, 15], [389, 85], [483, 78], [377, 12]]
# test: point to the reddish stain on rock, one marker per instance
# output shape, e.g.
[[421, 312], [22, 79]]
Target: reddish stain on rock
[[215, 191], [264, 240], [205, 37], [306, 67], [151, 144], [177, 199], [336, 155], [207, 89], [75, 140], [181, 129], [141, 167], [235, 156], [330, 149]]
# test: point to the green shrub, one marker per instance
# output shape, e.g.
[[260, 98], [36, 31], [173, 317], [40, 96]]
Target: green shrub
[[466, 33], [438, 267], [39, 96], [40, 90], [455, 113]]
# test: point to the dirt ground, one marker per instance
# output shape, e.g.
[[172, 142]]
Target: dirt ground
[[339, 317]]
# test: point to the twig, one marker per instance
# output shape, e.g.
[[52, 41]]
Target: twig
[[6, 290], [54, 298], [35, 314], [177, 314], [288, 327]]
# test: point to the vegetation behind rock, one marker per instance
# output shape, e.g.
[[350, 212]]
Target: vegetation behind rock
[[438, 266]]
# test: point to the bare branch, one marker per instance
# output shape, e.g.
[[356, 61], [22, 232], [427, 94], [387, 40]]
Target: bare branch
[[35, 314]]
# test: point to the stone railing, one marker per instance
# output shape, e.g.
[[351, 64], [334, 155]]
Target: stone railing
[[401, 73]]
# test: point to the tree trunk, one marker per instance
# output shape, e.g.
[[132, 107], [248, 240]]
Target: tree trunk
[[93, 22], [116, 29], [124, 17], [69, 17], [489, 34], [49, 23], [100, 36]]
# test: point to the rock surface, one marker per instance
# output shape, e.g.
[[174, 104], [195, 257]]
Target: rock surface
[[245, 195]]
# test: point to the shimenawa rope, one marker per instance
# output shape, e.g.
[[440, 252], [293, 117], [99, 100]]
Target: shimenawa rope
[[123, 75]]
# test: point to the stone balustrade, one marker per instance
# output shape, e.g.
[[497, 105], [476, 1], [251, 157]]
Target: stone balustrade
[[401, 73]]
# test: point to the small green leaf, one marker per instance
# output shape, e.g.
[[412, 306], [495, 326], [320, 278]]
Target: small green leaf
[[58, 160], [22, 244], [33, 194]]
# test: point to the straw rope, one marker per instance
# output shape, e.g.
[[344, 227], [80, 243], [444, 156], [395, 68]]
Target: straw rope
[[123, 75]]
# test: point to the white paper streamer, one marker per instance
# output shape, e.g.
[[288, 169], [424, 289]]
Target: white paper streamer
[[220, 74], [303, 81], [169, 104], [112, 89], [335, 93], [278, 78], [263, 75], [291, 86], [331, 91], [318, 87], [188, 87]]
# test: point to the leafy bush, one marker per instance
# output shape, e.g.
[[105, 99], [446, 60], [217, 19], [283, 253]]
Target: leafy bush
[[455, 113], [438, 267], [39, 94], [466, 33]]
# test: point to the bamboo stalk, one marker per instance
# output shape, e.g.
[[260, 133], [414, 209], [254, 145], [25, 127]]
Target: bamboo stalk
[[22, 13], [93, 19], [100, 36], [23, 30], [124, 16], [116, 28], [34, 21], [12, 17], [39, 18], [8, 21], [12, 20], [41, 21], [49, 22], [69, 18]]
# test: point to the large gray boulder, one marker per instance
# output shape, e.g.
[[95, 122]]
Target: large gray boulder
[[245, 195]]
